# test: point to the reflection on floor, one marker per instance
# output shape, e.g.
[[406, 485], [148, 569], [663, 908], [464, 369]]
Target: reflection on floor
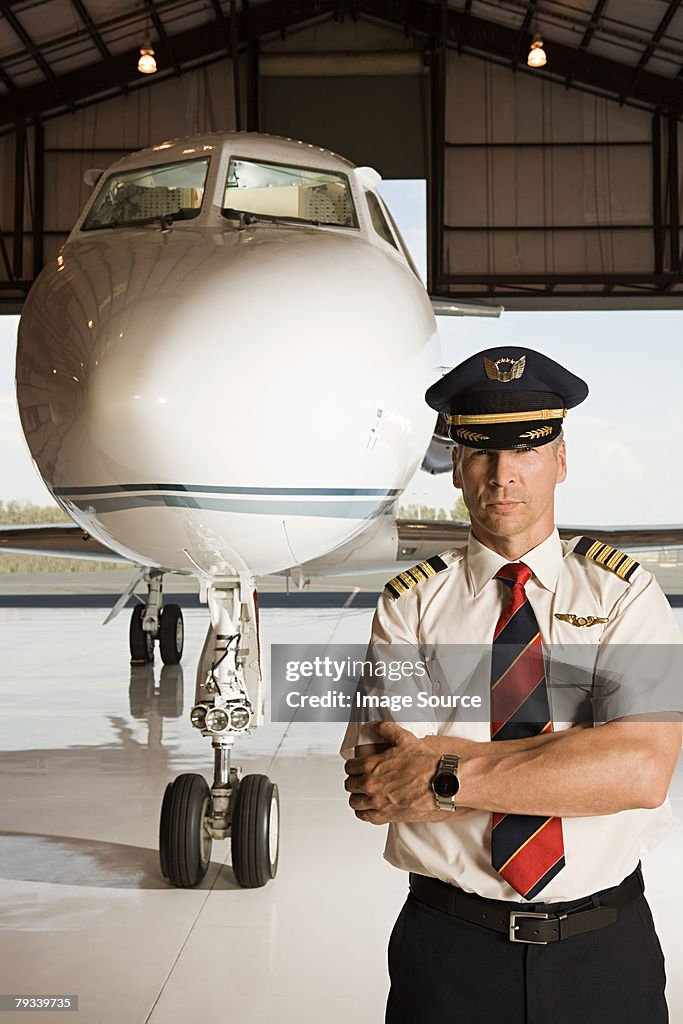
[[88, 748]]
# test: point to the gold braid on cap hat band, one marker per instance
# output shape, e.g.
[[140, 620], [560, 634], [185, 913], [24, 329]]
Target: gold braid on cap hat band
[[508, 417]]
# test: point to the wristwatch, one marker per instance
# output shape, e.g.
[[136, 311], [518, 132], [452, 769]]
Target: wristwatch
[[445, 783]]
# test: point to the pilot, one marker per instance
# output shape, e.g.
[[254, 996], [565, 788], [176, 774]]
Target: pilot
[[522, 827]]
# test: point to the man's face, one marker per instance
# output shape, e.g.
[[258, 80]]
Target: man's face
[[510, 493]]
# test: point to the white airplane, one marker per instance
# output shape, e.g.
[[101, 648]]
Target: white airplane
[[221, 375]]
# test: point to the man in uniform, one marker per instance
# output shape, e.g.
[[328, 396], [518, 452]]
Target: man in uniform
[[523, 832]]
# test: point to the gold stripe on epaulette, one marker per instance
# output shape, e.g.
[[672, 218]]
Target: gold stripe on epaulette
[[609, 557], [613, 562], [410, 578], [623, 569]]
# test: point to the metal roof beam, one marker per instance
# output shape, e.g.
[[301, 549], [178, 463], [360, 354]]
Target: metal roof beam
[[30, 45], [6, 80], [472, 35], [671, 11], [594, 23], [83, 13]]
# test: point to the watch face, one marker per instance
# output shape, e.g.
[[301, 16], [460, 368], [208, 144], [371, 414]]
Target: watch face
[[445, 784]]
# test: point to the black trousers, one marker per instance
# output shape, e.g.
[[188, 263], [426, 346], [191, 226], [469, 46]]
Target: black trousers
[[446, 971]]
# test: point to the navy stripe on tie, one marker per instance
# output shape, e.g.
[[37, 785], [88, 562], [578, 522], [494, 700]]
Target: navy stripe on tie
[[547, 877]]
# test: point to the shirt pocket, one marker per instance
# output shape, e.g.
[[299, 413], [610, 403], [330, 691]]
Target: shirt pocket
[[570, 674]]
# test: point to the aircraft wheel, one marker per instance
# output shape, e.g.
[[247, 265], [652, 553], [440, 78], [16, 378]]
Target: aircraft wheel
[[255, 831], [171, 634], [184, 843], [141, 643]]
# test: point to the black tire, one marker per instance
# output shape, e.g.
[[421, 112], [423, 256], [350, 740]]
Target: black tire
[[164, 828], [171, 684], [141, 643], [171, 634], [184, 844], [255, 831]]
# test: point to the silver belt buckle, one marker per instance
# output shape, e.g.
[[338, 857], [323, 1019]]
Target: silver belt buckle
[[514, 914]]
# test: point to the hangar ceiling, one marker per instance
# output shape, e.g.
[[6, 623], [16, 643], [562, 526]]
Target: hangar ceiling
[[547, 187]]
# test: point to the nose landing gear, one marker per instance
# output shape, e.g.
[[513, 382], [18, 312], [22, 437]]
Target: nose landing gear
[[155, 621], [228, 703]]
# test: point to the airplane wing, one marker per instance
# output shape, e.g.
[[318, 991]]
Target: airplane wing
[[417, 539], [60, 540], [633, 538], [445, 306]]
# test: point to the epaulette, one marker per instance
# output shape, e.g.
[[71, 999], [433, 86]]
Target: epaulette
[[417, 574], [611, 558]]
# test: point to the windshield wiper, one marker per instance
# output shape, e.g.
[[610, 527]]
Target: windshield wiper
[[246, 219], [165, 221]]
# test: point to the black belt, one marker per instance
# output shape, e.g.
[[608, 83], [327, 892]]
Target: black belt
[[532, 926]]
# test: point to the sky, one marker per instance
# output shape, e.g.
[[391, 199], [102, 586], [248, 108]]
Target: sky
[[622, 442]]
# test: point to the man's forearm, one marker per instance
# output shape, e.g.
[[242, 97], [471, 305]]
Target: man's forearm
[[470, 748], [615, 767]]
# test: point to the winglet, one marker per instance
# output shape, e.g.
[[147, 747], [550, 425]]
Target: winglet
[[444, 306]]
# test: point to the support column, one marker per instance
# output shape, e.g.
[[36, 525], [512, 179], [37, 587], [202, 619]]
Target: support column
[[438, 148], [19, 180], [674, 206], [38, 197]]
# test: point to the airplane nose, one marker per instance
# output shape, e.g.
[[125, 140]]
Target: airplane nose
[[278, 360]]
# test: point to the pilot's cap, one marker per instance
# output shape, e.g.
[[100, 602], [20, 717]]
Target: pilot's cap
[[506, 397]]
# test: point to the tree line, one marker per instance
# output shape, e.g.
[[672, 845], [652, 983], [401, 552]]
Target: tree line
[[25, 513]]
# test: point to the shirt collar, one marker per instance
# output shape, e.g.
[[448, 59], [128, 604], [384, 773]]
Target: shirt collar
[[544, 561]]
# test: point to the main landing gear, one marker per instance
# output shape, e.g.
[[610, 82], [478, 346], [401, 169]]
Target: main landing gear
[[228, 703], [154, 621]]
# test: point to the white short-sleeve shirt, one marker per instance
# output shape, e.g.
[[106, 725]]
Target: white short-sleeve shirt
[[461, 604]]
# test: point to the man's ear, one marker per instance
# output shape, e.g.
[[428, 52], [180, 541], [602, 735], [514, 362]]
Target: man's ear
[[456, 475], [561, 463]]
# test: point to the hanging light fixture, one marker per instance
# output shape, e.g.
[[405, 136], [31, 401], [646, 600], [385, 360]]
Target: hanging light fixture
[[147, 64], [537, 56]]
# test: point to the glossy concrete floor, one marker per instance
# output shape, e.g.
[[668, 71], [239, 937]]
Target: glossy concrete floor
[[86, 751]]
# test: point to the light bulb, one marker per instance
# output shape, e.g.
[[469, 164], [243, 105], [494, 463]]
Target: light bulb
[[537, 56], [147, 64]]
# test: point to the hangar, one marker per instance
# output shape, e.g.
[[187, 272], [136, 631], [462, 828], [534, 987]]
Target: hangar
[[554, 187]]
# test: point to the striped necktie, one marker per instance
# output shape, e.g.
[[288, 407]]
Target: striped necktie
[[527, 850]]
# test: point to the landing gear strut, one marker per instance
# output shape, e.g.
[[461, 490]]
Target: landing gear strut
[[228, 703], [156, 621]]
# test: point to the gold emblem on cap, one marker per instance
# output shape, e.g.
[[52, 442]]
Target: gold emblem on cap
[[471, 435], [504, 376], [579, 620], [538, 432]]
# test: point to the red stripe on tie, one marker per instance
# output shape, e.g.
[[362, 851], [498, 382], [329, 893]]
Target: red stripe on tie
[[517, 601], [535, 858]]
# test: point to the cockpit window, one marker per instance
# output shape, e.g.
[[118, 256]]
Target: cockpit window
[[402, 245], [379, 221], [147, 194], [278, 192]]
